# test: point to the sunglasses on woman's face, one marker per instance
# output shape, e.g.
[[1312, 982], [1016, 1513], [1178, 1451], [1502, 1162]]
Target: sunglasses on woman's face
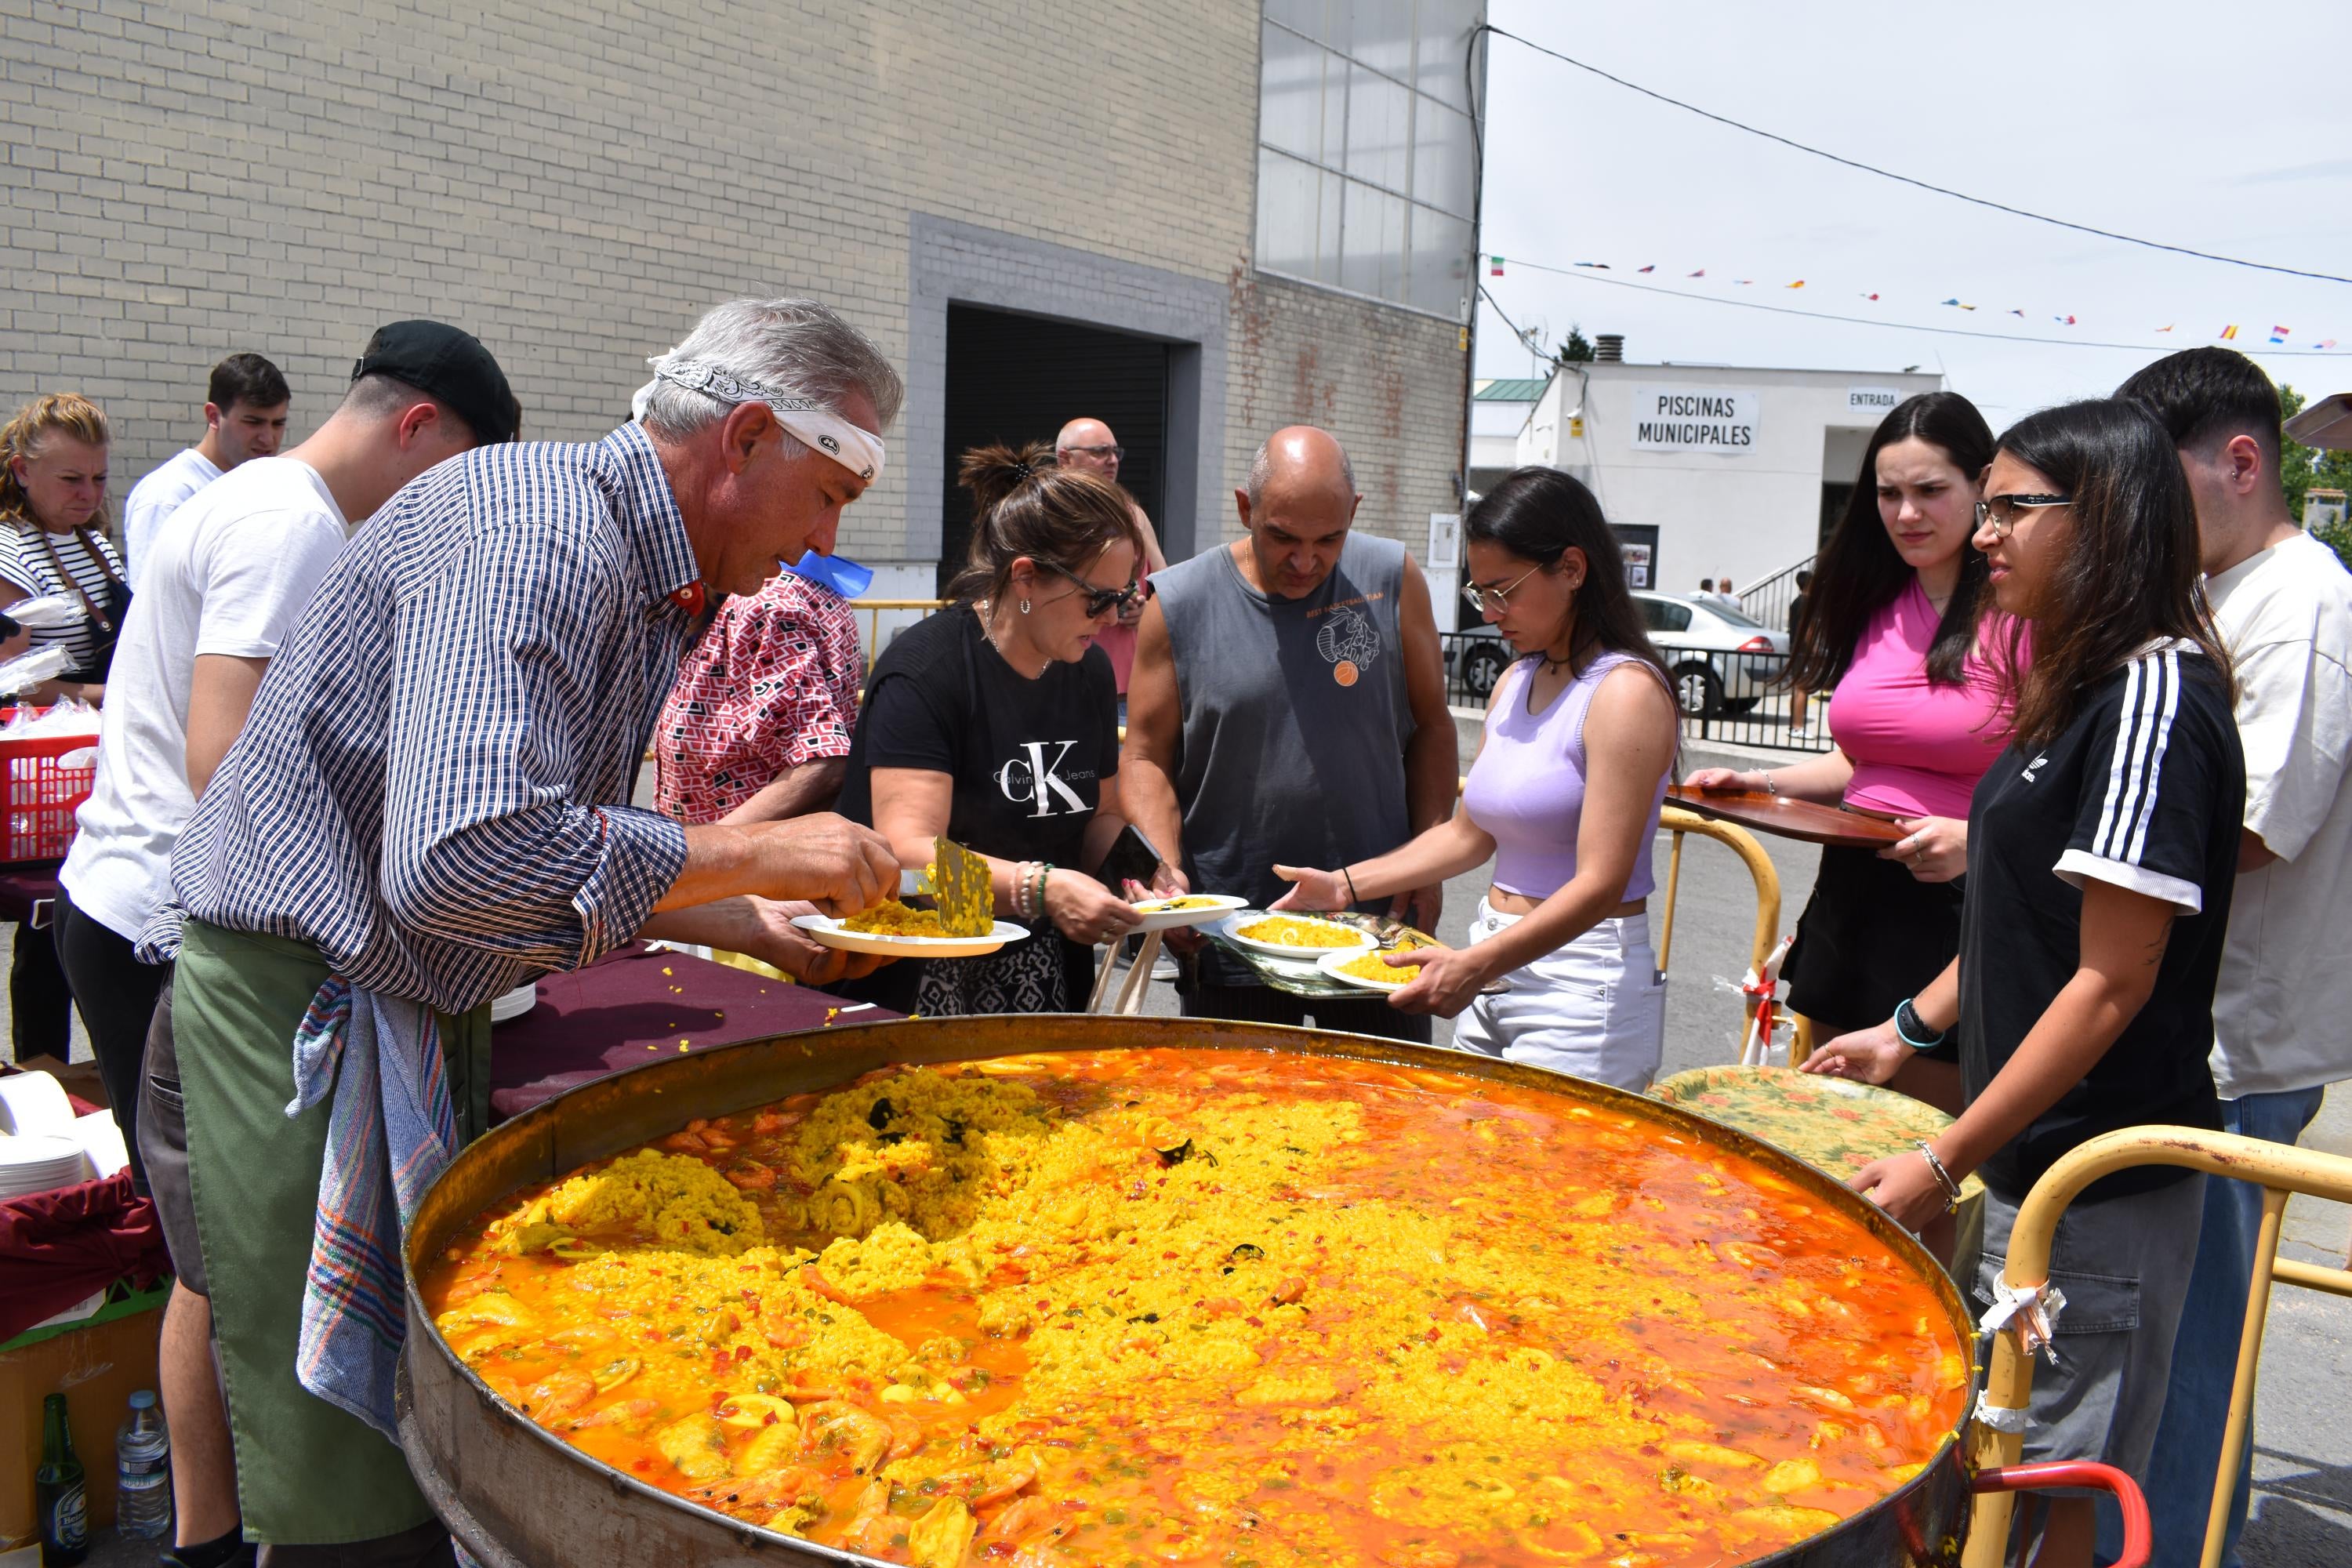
[[1100, 602]]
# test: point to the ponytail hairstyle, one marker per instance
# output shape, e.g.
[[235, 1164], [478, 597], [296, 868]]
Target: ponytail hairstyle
[[1024, 505], [1538, 514], [1858, 571], [57, 413], [2130, 571]]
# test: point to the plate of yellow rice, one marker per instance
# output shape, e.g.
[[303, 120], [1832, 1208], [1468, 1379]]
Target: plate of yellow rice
[[1184, 909], [895, 930], [1369, 969], [1300, 937]]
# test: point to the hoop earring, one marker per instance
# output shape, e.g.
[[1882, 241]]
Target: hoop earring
[[1024, 607]]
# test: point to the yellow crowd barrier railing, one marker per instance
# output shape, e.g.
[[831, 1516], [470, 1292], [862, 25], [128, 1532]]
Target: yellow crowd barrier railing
[[2279, 1169], [874, 610], [1742, 843]]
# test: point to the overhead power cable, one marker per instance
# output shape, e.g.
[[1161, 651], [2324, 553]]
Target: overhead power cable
[[1902, 179], [1582, 276]]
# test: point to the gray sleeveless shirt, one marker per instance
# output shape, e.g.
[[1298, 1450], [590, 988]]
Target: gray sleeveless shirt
[[1295, 721]]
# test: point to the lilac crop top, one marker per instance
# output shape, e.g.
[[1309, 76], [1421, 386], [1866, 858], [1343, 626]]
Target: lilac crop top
[[1527, 788], [1919, 749]]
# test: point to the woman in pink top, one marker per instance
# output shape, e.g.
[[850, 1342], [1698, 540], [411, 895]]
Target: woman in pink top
[[1564, 796], [1900, 621]]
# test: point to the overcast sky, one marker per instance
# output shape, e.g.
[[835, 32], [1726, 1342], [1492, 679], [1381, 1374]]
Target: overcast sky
[[2225, 128]]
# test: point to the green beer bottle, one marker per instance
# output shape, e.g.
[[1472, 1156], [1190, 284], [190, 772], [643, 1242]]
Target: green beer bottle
[[58, 1491]]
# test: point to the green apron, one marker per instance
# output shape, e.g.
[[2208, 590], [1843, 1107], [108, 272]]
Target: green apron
[[307, 1473]]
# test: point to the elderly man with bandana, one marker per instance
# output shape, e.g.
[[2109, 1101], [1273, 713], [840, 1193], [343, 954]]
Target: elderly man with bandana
[[428, 807]]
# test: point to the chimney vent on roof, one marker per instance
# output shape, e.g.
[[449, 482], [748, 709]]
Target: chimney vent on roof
[[1609, 348]]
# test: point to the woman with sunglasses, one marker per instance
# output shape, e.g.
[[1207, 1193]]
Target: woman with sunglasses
[[2103, 849], [995, 722], [1564, 796], [1901, 629]]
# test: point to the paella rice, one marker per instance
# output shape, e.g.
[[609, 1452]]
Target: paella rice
[[891, 918], [1283, 931], [1212, 1307]]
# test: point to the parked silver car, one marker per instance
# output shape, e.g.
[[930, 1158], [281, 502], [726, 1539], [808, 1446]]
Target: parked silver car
[[1722, 659]]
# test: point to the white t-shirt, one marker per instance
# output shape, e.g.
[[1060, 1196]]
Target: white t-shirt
[[232, 578], [157, 497], [2283, 1012]]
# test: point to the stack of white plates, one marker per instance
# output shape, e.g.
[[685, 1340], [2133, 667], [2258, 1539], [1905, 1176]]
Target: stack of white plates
[[515, 1003], [38, 1162], [33, 1103], [101, 1140]]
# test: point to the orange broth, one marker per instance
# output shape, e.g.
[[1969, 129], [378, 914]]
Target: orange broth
[[1215, 1307]]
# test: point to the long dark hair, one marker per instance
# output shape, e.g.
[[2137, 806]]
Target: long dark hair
[[1538, 515], [2129, 573], [1858, 571], [1024, 505]]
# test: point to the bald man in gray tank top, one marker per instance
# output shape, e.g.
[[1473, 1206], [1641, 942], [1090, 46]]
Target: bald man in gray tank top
[[1288, 700]]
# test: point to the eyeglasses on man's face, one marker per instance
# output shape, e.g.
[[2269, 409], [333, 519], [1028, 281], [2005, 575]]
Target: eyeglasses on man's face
[[1100, 602], [1494, 600], [2000, 512], [1100, 454]]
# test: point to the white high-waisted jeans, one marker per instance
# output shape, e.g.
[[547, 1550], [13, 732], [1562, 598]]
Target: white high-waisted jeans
[[1595, 1008]]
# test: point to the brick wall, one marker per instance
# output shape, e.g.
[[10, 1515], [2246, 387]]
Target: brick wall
[[575, 180]]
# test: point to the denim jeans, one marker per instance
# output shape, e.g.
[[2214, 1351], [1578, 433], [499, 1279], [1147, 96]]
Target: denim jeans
[[2205, 1352]]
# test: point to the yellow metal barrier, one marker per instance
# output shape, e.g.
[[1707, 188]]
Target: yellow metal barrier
[[1742, 843], [2279, 1169], [873, 610]]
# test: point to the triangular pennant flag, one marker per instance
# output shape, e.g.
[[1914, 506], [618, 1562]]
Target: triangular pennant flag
[[2326, 344], [2229, 331], [2278, 335], [1700, 273], [2019, 314], [2063, 321], [1652, 266], [1596, 266], [1870, 296], [1797, 284], [2167, 327], [1743, 282], [1952, 301]]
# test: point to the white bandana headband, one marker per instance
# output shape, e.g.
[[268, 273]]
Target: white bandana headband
[[859, 451]]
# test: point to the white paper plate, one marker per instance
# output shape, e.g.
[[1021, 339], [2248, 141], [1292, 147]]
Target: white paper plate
[[515, 1003], [38, 1162], [827, 932], [101, 1140], [1230, 928], [1157, 916], [34, 1102], [1329, 964]]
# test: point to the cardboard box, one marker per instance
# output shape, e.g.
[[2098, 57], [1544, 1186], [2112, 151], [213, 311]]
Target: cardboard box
[[97, 1369]]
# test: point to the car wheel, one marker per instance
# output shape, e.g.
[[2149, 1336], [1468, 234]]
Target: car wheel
[[1698, 690], [1738, 704], [1483, 665]]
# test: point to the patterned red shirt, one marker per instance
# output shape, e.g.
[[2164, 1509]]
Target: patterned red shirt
[[771, 685]]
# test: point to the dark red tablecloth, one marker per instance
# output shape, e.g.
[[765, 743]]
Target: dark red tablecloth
[[61, 1246], [636, 1006], [23, 885]]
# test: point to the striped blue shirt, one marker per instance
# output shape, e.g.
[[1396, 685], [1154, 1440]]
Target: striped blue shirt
[[433, 787]]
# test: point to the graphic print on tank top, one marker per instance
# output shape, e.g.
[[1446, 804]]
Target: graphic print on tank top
[[1349, 642]]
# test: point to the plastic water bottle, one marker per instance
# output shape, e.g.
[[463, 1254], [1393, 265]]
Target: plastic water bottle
[[142, 1470]]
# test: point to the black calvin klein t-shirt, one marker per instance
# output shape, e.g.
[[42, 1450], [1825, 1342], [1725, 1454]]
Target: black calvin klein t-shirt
[[2144, 790], [1028, 757]]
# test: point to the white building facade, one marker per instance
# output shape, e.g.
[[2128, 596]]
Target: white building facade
[[1719, 470]]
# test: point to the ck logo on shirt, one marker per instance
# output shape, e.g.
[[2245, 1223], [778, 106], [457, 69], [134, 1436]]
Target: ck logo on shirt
[[1031, 777]]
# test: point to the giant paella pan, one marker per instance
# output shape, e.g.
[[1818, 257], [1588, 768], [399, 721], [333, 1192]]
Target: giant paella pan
[[1066, 1290]]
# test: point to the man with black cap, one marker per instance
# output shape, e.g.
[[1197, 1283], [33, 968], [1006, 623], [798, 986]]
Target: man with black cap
[[429, 806], [220, 591]]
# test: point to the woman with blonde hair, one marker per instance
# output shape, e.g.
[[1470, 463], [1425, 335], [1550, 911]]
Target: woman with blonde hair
[[52, 532], [995, 722]]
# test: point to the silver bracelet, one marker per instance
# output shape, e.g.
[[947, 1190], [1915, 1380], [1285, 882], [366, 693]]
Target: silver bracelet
[[1769, 787], [1943, 1178]]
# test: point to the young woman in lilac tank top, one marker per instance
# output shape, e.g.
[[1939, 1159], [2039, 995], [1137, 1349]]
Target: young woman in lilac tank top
[[1900, 622], [1564, 797]]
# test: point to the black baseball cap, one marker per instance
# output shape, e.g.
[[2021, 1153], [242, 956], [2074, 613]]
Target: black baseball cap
[[450, 365]]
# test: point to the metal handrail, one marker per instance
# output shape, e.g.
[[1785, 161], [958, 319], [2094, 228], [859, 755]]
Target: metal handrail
[[1677, 821], [2280, 1169], [874, 609]]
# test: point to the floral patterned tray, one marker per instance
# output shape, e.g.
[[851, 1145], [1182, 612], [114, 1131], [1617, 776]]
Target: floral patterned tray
[[1832, 1123]]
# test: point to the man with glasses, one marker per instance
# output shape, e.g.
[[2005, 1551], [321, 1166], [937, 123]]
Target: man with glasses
[[1289, 705], [1088, 446], [2283, 603]]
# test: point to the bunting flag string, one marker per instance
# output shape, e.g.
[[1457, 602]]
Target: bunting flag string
[[2279, 336]]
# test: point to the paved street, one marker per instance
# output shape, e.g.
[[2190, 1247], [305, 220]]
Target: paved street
[[2302, 1510]]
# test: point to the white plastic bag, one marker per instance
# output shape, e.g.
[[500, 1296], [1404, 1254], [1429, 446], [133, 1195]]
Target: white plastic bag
[[49, 612], [28, 670]]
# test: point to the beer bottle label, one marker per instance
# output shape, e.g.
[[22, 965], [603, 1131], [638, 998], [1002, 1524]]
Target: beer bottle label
[[69, 1518]]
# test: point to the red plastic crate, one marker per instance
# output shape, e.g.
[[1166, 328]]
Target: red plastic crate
[[37, 814]]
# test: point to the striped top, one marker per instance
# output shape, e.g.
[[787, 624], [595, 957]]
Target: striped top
[[87, 556], [433, 789]]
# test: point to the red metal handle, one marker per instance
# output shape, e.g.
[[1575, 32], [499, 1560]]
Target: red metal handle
[[2137, 1537]]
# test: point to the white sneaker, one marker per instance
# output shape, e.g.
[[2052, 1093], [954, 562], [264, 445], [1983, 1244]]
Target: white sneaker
[[1164, 968]]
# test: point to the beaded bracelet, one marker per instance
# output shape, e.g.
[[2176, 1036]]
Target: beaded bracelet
[[1020, 891], [1044, 871]]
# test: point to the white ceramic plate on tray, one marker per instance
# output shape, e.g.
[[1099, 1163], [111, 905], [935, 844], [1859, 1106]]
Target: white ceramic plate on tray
[[1345, 939], [1206, 907], [1332, 964], [827, 932]]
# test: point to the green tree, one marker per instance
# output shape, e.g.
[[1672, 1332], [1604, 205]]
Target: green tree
[[1578, 350], [2306, 469]]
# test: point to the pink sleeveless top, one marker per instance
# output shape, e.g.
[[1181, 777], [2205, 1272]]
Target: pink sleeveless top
[[1527, 788]]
